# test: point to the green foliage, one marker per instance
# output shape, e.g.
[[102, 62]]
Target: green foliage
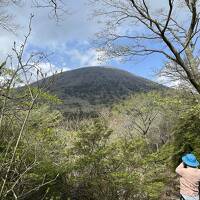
[[39, 156], [94, 161], [186, 133], [154, 189]]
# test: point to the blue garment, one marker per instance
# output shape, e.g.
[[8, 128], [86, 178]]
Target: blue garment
[[190, 198]]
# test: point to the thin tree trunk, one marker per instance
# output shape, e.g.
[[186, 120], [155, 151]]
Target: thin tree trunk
[[16, 146]]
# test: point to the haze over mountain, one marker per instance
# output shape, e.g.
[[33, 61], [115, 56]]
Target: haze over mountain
[[86, 89]]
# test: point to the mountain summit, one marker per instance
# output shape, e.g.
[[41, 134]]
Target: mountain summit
[[85, 89]]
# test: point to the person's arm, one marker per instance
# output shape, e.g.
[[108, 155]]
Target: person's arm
[[180, 170]]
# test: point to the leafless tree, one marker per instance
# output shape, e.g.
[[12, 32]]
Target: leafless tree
[[56, 7], [142, 27], [7, 20], [142, 118], [19, 69]]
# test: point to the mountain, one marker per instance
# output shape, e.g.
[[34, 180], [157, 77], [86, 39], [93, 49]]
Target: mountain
[[86, 89]]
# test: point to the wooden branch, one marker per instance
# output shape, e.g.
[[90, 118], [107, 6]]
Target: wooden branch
[[169, 16], [24, 196], [190, 33], [167, 29]]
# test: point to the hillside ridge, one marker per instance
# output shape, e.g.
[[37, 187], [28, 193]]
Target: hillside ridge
[[88, 88]]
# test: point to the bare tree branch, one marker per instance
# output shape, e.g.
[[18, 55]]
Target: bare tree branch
[[174, 38]]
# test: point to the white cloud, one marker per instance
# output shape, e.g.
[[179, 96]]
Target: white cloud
[[46, 34], [40, 71], [50, 37], [168, 82], [89, 57], [49, 69], [45, 31]]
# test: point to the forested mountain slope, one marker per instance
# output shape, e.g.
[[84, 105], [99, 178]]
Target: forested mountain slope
[[87, 88]]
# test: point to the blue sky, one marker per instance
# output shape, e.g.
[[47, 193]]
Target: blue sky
[[75, 56], [70, 41]]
